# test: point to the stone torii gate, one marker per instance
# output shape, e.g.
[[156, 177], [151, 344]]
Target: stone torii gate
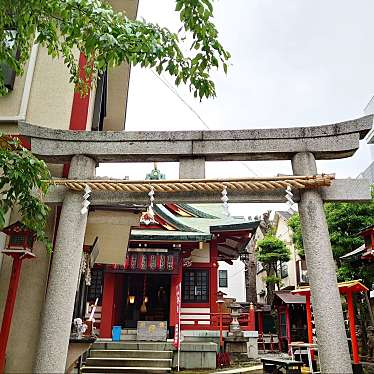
[[302, 146]]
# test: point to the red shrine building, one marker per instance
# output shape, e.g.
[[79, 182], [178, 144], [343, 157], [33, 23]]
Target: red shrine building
[[181, 243]]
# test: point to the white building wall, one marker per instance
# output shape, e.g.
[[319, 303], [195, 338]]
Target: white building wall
[[235, 280], [284, 233]]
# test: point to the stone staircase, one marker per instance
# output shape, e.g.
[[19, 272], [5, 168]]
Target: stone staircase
[[128, 357]]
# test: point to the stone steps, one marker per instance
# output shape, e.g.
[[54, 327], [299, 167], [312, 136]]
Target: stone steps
[[132, 345], [129, 362], [128, 357], [128, 334], [124, 369], [127, 353]]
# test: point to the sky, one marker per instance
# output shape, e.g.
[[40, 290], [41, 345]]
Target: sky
[[294, 63]]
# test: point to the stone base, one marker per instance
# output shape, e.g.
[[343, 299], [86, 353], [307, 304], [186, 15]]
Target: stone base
[[236, 346], [252, 346], [196, 355]]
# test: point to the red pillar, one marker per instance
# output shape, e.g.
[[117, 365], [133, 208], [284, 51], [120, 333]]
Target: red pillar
[[351, 316], [175, 279], [288, 326], [213, 281], [309, 319], [9, 308], [251, 318], [107, 306], [309, 322], [79, 110]]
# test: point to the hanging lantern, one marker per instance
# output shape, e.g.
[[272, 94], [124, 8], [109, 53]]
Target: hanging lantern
[[131, 299], [21, 240]]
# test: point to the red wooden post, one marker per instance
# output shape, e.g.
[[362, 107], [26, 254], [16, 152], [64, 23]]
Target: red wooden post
[[107, 306], [173, 300], [79, 110], [288, 327], [351, 316], [309, 322], [251, 318], [213, 281], [9, 308], [220, 329], [175, 279]]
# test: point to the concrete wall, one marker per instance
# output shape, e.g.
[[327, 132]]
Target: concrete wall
[[118, 78], [24, 332], [284, 233], [51, 95]]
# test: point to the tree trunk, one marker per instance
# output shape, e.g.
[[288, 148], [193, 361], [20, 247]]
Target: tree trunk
[[270, 286], [250, 277]]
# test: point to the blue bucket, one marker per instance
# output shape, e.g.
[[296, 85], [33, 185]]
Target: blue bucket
[[116, 333]]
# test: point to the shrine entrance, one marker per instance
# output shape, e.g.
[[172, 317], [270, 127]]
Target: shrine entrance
[[144, 297]]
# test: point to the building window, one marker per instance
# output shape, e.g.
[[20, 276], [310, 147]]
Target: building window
[[283, 269], [222, 277], [95, 290], [195, 286], [7, 71]]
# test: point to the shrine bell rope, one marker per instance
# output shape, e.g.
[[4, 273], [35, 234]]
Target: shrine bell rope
[[204, 185]]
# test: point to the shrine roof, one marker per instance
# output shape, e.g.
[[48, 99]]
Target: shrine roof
[[344, 287], [290, 298], [197, 223], [366, 229], [355, 254]]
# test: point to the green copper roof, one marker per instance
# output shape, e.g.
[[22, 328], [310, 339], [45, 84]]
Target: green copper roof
[[196, 211], [171, 218]]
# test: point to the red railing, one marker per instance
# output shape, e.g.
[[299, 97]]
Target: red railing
[[215, 321]]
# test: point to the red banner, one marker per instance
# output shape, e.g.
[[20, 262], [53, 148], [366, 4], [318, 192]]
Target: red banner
[[177, 333], [148, 262]]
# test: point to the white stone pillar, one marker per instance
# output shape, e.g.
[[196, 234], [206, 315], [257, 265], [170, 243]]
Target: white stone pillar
[[192, 168], [62, 284], [332, 339]]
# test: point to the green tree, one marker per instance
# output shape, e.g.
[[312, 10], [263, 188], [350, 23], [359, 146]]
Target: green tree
[[109, 38], [270, 252], [345, 221], [23, 183]]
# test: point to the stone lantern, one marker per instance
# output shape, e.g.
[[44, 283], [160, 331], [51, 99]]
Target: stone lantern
[[235, 342], [20, 246], [21, 240], [235, 314]]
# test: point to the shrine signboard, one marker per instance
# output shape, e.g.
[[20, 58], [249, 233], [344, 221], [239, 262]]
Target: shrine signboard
[[152, 330]]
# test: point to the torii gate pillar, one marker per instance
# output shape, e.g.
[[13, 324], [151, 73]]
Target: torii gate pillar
[[63, 279], [331, 335]]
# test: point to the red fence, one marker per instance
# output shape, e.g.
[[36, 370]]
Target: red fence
[[215, 321]]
